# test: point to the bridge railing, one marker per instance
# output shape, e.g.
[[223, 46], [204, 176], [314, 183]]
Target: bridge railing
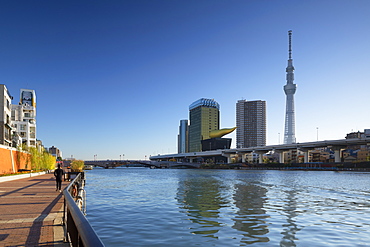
[[78, 230]]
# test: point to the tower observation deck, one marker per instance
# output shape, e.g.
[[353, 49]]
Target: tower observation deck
[[290, 89]]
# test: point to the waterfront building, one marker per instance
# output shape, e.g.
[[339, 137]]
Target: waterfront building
[[321, 155], [357, 134], [55, 152], [24, 117], [182, 139], [250, 123], [290, 89], [204, 115], [5, 117], [363, 155]]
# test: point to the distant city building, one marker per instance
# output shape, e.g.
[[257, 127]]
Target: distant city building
[[204, 115], [357, 134], [40, 146], [5, 117], [289, 89], [182, 140], [24, 117], [250, 123], [363, 155], [367, 133], [55, 152]]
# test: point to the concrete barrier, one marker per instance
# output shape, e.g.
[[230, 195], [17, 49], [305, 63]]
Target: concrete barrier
[[15, 177]]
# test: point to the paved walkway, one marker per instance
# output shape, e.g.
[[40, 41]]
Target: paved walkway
[[31, 212]]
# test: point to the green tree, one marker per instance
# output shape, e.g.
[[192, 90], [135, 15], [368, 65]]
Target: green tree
[[41, 160], [77, 165]]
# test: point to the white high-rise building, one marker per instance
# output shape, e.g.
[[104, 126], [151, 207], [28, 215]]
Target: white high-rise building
[[250, 123], [24, 117], [289, 89], [5, 124]]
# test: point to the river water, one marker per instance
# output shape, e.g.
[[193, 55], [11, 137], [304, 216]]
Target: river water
[[190, 207]]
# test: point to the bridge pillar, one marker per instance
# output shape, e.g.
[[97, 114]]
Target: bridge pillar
[[281, 155], [337, 154], [228, 156], [306, 154], [260, 156], [243, 156]]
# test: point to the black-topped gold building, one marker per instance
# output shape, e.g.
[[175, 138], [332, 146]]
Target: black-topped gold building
[[204, 115]]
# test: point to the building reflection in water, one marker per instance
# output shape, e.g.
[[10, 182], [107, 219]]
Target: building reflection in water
[[250, 218], [201, 200], [220, 206]]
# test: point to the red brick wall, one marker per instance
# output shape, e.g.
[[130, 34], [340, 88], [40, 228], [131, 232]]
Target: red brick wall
[[19, 160]]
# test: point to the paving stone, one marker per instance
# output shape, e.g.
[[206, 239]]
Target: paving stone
[[28, 209]]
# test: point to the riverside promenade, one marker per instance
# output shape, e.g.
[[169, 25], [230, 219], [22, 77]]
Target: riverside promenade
[[31, 212]]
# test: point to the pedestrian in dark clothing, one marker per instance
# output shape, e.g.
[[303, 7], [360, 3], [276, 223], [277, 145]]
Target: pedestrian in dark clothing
[[58, 173]]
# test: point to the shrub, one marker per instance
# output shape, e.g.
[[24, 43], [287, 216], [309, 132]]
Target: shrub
[[77, 165]]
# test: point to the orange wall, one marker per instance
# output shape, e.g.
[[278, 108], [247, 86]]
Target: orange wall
[[19, 160]]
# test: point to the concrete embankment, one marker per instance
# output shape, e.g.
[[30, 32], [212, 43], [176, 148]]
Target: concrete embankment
[[31, 211]]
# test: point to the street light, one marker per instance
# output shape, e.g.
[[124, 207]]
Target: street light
[[317, 133]]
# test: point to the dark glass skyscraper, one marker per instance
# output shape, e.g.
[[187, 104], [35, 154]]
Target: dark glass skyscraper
[[183, 137], [251, 123]]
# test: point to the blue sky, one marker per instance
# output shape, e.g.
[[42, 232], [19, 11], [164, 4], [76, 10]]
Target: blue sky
[[116, 77]]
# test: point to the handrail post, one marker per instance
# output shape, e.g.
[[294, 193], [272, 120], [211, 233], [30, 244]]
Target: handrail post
[[78, 230]]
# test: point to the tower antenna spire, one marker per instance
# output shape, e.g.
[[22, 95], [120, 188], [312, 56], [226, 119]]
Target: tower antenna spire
[[290, 44]]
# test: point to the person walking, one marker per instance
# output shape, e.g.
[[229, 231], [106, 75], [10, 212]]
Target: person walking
[[58, 174]]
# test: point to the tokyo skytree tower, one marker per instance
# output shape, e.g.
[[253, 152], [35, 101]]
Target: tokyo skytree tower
[[289, 89]]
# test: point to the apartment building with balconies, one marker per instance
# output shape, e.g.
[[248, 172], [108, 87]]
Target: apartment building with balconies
[[5, 117], [23, 117]]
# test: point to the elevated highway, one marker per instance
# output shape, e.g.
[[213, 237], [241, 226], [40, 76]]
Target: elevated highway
[[148, 163], [335, 145]]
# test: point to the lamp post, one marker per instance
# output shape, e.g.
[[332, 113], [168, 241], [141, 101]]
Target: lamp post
[[317, 133]]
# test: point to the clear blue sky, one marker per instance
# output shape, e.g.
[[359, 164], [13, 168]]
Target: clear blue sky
[[116, 77]]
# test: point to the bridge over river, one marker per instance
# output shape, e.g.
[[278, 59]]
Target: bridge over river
[[152, 164], [335, 145]]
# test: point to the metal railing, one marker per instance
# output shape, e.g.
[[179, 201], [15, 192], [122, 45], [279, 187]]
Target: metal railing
[[78, 230]]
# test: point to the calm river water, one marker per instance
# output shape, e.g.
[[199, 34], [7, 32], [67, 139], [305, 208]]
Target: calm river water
[[168, 207]]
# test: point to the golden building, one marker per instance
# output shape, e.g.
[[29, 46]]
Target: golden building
[[204, 115]]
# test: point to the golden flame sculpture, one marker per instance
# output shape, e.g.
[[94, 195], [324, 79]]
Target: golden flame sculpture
[[220, 133]]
